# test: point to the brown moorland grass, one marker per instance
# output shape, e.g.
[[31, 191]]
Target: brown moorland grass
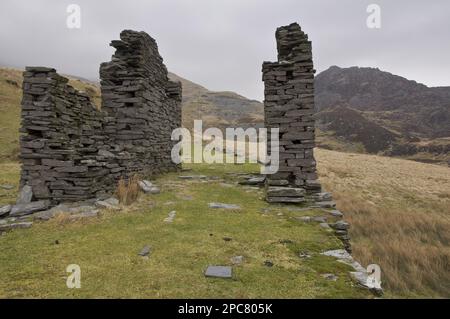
[[399, 211]]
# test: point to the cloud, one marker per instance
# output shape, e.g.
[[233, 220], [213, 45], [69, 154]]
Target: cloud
[[221, 44]]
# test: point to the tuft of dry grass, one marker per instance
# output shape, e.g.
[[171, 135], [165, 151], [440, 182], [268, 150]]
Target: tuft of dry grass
[[399, 211], [128, 190]]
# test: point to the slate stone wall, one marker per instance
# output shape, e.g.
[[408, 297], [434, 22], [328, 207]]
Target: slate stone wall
[[289, 106], [70, 151]]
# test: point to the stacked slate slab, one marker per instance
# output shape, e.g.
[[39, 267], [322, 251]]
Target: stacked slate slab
[[289, 106], [71, 151], [145, 105]]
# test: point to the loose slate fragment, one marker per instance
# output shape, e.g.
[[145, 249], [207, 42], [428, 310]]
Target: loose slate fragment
[[224, 206], [219, 272], [145, 251]]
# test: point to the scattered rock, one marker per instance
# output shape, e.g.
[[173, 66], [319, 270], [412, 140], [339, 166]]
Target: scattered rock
[[110, 203], [155, 190], [170, 217], [26, 209], [5, 210], [305, 219], [88, 214], [325, 204], [290, 200], [218, 272], [7, 227], [304, 254], [268, 263], [325, 226], [224, 206], [323, 197], [340, 225], [148, 187], [192, 177], [25, 195], [237, 260], [331, 277], [227, 238], [259, 180], [274, 191], [319, 219], [145, 252], [7, 187], [336, 213], [286, 241], [341, 254]]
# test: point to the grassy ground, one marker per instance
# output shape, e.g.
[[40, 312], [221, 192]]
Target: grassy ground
[[106, 249], [400, 216]]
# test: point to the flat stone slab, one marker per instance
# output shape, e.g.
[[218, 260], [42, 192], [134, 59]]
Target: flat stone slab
[[7, 227], [5, 210], [219, 272], [110, 203], [275, 191], [289, 200], [325, 204], [336, 213], [192, 177], [7, 187], [224, 206], [253, 181], [26, 209]]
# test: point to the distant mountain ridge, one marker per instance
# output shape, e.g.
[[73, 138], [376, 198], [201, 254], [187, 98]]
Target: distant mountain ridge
[[359, 109], [395, 116]]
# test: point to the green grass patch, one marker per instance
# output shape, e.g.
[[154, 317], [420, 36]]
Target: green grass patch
[[106, 248]]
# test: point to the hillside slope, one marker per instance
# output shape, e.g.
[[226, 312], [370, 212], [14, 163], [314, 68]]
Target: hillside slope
[[402, 117], [218, 109]]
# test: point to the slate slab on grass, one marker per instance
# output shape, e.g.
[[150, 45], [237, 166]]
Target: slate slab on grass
[[145, 251], [224, 206], [219, 272]]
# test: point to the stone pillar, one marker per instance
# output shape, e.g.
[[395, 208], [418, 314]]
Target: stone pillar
[[289, 106]]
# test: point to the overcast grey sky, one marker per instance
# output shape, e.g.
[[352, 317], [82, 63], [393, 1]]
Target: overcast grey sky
[[222, 43]]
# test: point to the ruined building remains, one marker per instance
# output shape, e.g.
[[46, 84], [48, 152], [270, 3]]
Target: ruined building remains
[[70, 151], [289, 106]]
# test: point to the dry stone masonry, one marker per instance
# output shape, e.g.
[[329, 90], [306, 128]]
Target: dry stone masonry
[[71, 151], [289, 106]]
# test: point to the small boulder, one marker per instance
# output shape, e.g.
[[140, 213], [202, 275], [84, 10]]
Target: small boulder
[[146, 186]]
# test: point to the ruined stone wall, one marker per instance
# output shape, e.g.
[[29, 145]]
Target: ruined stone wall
[[70, 151], [289, 106], [146, 106]]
